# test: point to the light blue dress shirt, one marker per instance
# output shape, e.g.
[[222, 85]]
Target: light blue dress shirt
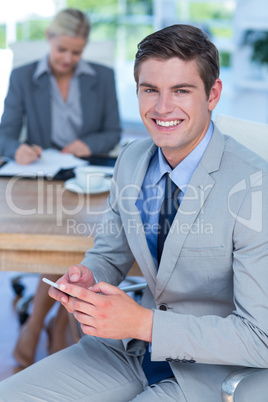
[[153, 188], [66, 116]]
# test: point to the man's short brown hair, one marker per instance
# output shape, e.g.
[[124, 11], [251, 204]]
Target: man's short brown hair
[[185, 42]]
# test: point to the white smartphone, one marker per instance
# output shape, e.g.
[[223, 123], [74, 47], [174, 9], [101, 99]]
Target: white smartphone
[[55, 285]]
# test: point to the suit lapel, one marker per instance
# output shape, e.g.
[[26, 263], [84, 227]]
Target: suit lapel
[[42, 104], [143, 255], [88, 84], [187, 214], [197, 192]]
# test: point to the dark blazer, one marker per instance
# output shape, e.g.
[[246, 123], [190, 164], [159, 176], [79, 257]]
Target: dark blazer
[[28, 101]]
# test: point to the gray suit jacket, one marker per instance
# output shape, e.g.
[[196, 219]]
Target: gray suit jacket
[[213, 275], [29, 100]]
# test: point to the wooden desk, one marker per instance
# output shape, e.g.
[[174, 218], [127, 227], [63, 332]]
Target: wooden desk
[[44, 227]]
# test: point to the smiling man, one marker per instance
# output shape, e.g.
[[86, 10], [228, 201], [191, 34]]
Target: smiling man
[[204, 312], [174, 105]]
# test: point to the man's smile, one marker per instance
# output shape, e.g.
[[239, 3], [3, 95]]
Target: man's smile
[[170, 123]]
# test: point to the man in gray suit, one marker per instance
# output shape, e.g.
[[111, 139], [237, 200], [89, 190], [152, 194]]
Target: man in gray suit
[[204, 311]]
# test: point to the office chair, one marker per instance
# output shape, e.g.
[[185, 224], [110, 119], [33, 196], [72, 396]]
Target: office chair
[[251, 134], [28, 51]]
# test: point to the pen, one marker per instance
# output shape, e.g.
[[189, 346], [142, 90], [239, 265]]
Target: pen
[[37, 150]]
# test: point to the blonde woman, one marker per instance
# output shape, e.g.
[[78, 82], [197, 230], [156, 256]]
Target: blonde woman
[[68, 104]]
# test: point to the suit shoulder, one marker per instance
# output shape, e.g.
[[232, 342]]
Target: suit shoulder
[[25, 70], [100, 68], [131, 157], [136, 150]]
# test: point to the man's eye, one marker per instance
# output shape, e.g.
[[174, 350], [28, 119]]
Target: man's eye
[[150, 90], [182, 91]]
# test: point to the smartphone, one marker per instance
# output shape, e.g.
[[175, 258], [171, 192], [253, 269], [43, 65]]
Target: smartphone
[[55, 285]]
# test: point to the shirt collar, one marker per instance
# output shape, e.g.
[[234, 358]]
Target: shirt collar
[[182, 173], [84, 68], [43, 68]]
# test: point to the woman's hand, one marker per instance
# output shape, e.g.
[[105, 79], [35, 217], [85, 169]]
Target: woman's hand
[[77, 148], [26, 154]]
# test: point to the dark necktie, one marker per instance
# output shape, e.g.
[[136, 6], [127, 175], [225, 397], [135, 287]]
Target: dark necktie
[[157, 371], [167, 213]]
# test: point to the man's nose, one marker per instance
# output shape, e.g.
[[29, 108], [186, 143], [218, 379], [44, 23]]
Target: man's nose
[[164, 104]]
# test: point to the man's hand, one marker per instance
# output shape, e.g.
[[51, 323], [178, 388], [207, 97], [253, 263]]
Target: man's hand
[[26, 154], [78, 274], [77, 148], [108, 312]]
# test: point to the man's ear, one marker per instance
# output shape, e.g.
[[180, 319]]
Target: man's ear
[[215, 94]]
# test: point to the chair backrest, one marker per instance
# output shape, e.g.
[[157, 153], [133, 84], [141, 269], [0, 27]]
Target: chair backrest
[[251, 134], [27, 51]]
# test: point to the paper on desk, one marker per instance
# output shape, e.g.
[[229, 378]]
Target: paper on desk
[[48, 164]]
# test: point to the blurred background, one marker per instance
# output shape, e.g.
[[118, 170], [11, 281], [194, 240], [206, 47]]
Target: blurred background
[[239, 28]]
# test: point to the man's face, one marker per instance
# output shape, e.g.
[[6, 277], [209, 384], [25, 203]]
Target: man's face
[[65, 53], [173, 105]]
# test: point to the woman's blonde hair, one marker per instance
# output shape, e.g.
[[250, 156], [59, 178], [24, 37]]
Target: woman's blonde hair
[[70, 22]]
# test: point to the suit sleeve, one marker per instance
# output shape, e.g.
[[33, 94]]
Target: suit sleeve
[[12, 118], [241, 338], [111, 258]]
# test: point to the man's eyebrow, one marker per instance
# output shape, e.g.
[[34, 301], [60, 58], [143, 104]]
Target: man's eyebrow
[[177, 86], [183, 85], [145, 84]]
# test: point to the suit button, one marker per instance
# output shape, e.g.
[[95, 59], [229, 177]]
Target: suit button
[[163, 307]]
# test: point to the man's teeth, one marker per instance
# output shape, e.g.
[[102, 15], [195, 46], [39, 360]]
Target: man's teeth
[[171, 123]]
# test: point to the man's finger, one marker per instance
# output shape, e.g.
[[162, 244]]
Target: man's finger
[[58, 295], [79, 292], [75, 273], [105, 288]]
